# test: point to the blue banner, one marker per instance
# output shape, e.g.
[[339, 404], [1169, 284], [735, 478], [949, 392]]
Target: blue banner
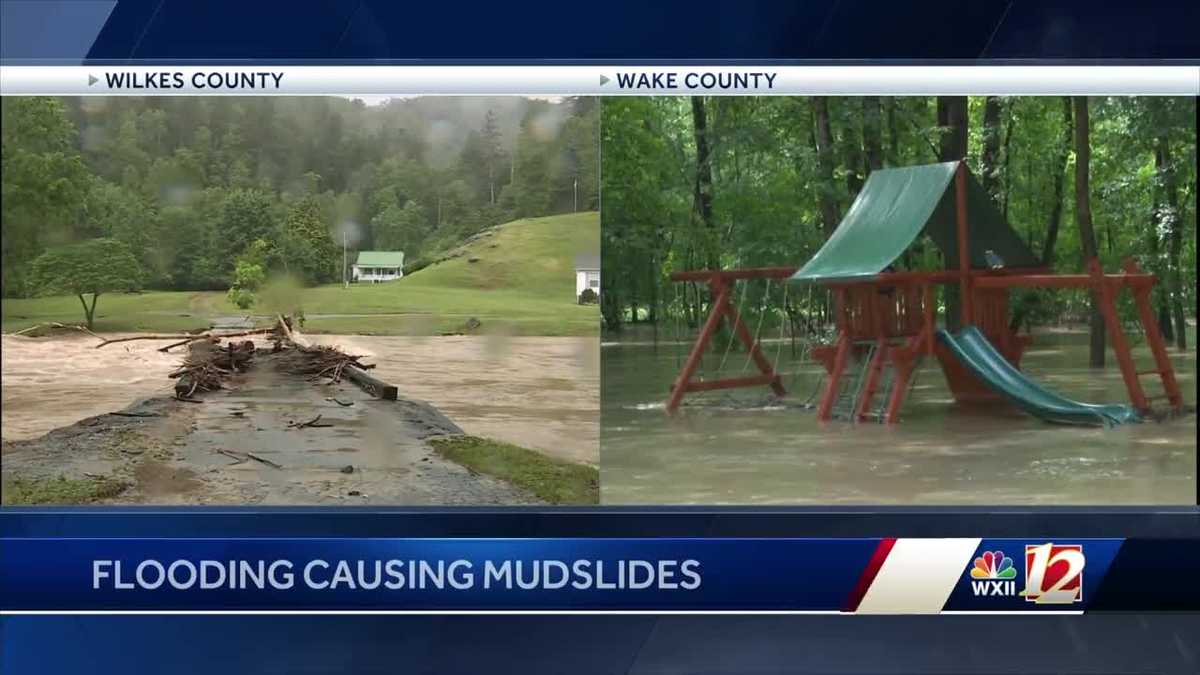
[[431, 574]]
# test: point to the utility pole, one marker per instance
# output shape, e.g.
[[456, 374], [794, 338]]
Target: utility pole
[[345, 278]]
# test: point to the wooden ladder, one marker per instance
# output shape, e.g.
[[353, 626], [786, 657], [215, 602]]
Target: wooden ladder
[[879, 361], [1162, 362], [1105, 293]]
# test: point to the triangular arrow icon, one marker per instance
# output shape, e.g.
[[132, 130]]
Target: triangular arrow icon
[[92, 79], [603, 80]]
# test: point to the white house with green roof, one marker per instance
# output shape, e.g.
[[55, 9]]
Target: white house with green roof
[[376, 266]]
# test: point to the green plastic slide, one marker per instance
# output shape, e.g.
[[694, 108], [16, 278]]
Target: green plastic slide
[[974, 351]]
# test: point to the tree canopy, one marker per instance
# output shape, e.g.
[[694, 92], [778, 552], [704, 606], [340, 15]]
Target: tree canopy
[[90, 267], [190, 184], [761, 181]]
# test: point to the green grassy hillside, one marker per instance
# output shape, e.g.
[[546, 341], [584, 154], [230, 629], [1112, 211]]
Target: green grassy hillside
[[522, 282], [535, 255]]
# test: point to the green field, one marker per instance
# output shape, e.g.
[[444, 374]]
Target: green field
[[521, 283]]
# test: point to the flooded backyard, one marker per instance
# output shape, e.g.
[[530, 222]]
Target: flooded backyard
[[731, 448]]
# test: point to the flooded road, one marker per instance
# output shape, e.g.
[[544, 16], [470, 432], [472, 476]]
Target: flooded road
[[540, 393], [46, 383], [735, 451], [535, 392]]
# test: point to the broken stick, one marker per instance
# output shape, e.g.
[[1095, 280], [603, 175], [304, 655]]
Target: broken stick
[[311, 424], [239, 458], [264, 460], [186, 337]]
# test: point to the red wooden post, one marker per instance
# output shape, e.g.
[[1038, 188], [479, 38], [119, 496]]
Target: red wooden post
[[904, 363], [964, 256], [1108, 309], [764, 365], [721, 290], [1162, 362], [825, 409], [928, 309]]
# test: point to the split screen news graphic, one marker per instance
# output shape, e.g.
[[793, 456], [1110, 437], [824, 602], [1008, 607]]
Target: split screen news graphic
[[899, 300], [403, 300], [300, 300]]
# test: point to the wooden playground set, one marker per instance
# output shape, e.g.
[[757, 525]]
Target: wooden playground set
[[886, 321]]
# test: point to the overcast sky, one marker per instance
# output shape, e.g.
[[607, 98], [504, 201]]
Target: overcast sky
[[378, 100]]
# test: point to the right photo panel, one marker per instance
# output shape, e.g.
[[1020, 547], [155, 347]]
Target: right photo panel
[[898, 300]]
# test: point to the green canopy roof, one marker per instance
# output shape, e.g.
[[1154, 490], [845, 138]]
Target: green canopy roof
[[894, 207], [380, 259]]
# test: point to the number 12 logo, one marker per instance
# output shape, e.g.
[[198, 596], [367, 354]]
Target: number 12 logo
[[1054, 573]]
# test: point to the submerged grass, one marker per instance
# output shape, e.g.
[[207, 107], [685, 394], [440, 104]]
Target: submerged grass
[[552, 480]]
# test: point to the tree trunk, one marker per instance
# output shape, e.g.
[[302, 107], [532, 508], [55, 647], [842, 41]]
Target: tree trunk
[[1083, 217], [823, 140], [1008, 132], [1064, 157], [952, 121], [1159, 215], [89, 313], [853, 154], [889, 109], [952, 147], [610, 306], [990, 158], [703, 194], [1174, 234], [872, 142]]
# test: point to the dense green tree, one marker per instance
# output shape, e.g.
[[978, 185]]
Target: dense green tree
[[309, 250], [90, 267], [246, 216], [42, 178]]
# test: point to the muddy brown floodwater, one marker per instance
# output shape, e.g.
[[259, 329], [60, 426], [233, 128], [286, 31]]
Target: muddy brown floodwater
[[536, 392], [46, 383], [736, 450]]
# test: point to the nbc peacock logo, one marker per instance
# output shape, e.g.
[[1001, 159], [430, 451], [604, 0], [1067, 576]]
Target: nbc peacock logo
[[993, 574]]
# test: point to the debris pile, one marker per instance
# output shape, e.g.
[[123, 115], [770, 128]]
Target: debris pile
[[321, 361], [214, 357], [208, 364]]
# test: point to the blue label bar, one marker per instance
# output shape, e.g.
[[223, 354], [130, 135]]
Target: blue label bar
[[431, 574]]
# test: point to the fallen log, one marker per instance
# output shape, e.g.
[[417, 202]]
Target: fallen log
[[370, 384], [178, 344], [284, 326]]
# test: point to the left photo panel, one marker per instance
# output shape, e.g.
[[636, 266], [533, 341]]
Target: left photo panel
[[300, 300]]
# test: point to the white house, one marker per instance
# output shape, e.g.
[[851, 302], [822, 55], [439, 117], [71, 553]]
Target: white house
[[587, 273], [375, 266]]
